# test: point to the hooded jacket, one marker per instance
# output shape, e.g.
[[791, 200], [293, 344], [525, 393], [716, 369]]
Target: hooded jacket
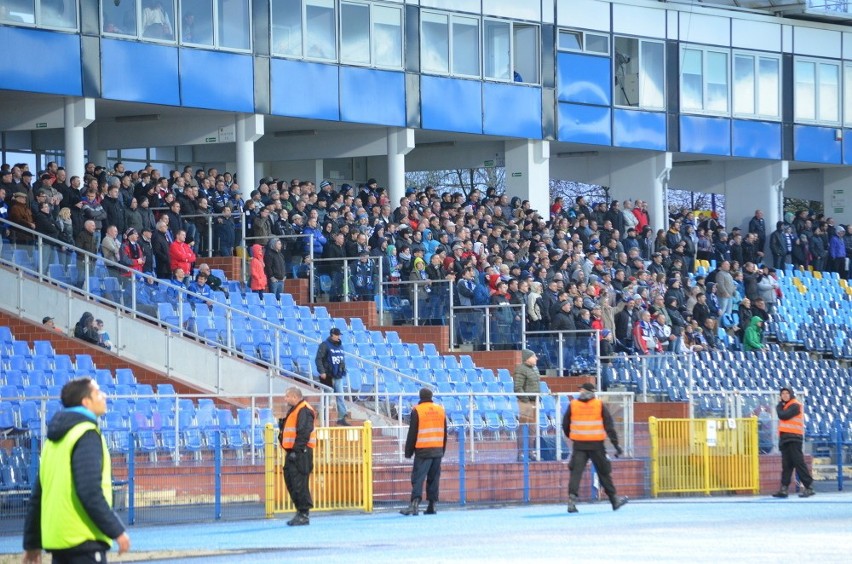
[[753, 339], [257, 269], [86, 468]]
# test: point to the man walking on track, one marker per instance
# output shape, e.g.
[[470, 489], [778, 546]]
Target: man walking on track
[[791, 435], [588, 423], [331, 366], [298, 437], [70, 512], [426, 442]]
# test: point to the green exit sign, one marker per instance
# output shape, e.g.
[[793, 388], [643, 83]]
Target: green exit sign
[[210, 139], [41, 125], [517, 174], [488, 164]]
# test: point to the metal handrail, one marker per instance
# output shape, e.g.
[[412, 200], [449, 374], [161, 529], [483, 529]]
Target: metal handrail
[[183, 295], [488, 308]]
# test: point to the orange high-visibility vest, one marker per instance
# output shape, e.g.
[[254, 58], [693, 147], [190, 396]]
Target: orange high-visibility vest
[[587, 420], [288, 433], [430, 430], [796, 425]]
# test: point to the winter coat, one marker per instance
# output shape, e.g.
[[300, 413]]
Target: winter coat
[[258, 281]]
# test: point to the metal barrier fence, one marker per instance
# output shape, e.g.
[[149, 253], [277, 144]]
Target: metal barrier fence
[[342, 478], [703, 455]]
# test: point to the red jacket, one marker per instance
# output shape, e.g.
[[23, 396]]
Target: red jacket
[[181, 256]]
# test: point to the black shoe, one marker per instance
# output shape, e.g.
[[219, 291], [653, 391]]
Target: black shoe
[[299, 520], [413, 508], [618, 502], [782, 493], [430, 510], [807, 492], [343, 423], [572, 506]]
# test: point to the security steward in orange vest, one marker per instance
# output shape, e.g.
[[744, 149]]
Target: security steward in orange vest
[[426, 442], [298, 437], [588, 423], [791, 435]]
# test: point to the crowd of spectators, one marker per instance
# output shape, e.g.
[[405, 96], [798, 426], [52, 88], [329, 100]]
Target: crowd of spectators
[[593, 266]]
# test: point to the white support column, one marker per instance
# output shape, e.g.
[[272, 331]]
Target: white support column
[[753, 186], [79, 113], [319, 172], [400, 143], [93, 146], [249, 128], [528, 172]]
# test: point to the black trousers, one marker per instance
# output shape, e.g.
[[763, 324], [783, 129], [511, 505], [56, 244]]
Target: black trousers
[[793, 459], [428, 469], [296, 475], [68, 557], [602, 465]]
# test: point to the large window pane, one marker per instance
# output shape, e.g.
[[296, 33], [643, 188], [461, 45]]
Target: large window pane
[[287, 28], [158, 18], [196, 22], [692, 80], [717, 81], [387, 36], [829, 92], [17, 11], [466, 46], [744, 84], [498, 61], [652, 75], [847, 94], [526, 53], [234, 24], [319, 29], [119, 18], [805, 90], [434, 43], [58, 13], [626, 72], [355, 33], [769, 87]]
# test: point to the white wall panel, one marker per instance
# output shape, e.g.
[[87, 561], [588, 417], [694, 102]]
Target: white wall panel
[[455, 5], [817, 42], [847, 45], [586, 14], [528, 10], [787, 38], [672, 28], [704, 29], [638, 20], [748, 34]]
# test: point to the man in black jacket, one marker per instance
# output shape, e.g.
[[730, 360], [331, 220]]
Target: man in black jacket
[[160, 241], [275, 267], [588, 423], [426, 442], [791, 435], [72, 496], [331, 366], [297, 436]]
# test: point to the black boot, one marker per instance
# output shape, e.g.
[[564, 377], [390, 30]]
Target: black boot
[[617, 501], [413, 508], [572, 504], [807, 492], [299, 520], [430, 510], [782, 493]]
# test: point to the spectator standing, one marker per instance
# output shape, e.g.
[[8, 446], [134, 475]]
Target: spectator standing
[[588, 423], [791, 436], [132, 255], [297, 436], [725, 288], [181, 254], [70, 511], [527, 381], [257, 268], [274, 267], [331, 366], [837, 252], [757, 226], [426, 442], [160, 241]]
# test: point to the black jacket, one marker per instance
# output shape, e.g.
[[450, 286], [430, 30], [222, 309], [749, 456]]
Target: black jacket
[[160, 248], [86, 469], [274, 265], [411, 439], [609, 426], [304, 428]]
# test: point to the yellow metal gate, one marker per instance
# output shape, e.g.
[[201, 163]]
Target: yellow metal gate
[[342, 476], [703, 455]]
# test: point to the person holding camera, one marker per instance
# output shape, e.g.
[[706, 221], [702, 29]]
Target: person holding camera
[[297, 436], [791, 435], [588, 423]]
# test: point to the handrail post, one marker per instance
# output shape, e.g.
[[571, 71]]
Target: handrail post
[[451, 315], [209, 236], [381, 285], [416, 292], [487, 315], [523, 325], [245, 246], [311, 269]]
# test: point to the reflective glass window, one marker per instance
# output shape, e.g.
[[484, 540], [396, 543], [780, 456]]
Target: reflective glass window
[[234, 24], [744, 84], [196, 22], [58, 14], [805, 90], [465, 46], [434, 43], [692, 80], [498, 50], [525, 55], [287, 28], [320, 40], [717, 81], [652, 75], [157, 20], [119, 18], [387, 36], [769, 87], [847, 94], [18, 12], [597, 43], [829, 92], [570, 40], [355, 33]]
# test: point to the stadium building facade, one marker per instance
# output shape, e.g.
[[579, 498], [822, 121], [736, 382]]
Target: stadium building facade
[[752, 99]]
